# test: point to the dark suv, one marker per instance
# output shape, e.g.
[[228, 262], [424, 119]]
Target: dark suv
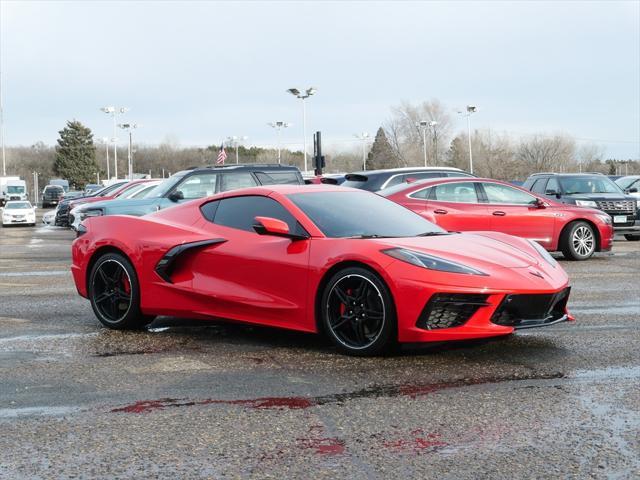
[[195, 183], [374, 180], [51, 195], [589, 190]]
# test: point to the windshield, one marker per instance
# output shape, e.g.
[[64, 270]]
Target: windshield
[[166, 185], [595, 184], [361, 214], [17, 205], [107, 190], [626, 182], [15, 189]]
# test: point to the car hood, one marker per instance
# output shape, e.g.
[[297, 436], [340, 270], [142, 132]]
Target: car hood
[[124, 203], [18, 211], [478, 250], [599, 196]]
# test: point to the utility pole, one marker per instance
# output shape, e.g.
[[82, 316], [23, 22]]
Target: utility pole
[[423, 125], [4, 160], [433, 124], [278, 126], [114, 112], [470, 109], [129, 127]]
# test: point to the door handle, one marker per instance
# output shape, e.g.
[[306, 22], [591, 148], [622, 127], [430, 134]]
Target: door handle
[[499, 213], [440, 211]]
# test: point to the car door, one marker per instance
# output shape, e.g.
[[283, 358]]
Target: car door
[[456, 207], [252, 277], [515, 212]]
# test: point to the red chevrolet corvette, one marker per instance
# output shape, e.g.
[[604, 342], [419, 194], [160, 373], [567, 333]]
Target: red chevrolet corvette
[[470, 204], [349, 263]]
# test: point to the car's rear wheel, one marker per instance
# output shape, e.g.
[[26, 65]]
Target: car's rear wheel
[[578, 241], [114, 293], [632, 238], [357, 312]]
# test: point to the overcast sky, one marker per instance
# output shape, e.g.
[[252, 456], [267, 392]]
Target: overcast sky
[[196, 72]]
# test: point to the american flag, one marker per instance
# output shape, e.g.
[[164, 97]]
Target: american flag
[[222, 155]]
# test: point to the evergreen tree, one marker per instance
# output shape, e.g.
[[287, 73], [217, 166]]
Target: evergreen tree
[[76, 155], [381, 154]]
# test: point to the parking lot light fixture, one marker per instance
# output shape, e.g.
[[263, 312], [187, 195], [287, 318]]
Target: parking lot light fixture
[[114, 112], [105, 140], [129, 127], [423, 125], [434, 130], [469, 110], [364, 136], [303, 96], [278, 126]]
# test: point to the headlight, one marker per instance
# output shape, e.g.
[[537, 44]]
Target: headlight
[[94, 212], [544, 254], [428, 261], [605, 219], [586, 203]]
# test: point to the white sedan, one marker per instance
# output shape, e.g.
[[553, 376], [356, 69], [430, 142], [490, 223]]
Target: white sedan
[[18, 212]]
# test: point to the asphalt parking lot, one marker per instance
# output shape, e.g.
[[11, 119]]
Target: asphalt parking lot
[[197, 400]]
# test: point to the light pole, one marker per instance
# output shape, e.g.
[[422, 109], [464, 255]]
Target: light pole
[[303, 96], [433, 124], [234, 142], [470, 109], [423, 125], [105, 140], [363, 136], [4, 160], [114, 112], [129, 127], [279, 126]]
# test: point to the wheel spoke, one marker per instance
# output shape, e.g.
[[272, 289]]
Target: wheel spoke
[[102, 297], [342, 295], [104, 277], [342, 321], [358, 329]]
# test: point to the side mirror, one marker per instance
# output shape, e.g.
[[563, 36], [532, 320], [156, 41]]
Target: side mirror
[[632, 190], [538, 203], [274, 226], [176, 196]]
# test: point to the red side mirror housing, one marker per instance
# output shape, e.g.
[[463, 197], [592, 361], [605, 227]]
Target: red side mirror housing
[[273, 226]]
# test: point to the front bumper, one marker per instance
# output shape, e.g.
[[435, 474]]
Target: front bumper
[[22, 221]]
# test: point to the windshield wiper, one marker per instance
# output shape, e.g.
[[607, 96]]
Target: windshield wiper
[[432, 234], [369, 235]]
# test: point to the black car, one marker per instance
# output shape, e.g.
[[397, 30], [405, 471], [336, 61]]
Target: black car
[[64, 207], [590, 190], [374, 180], [192, 184], [51, 195]]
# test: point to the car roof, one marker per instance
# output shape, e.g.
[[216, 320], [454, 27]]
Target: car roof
[[241, 167], [405, 170], [584, 174]]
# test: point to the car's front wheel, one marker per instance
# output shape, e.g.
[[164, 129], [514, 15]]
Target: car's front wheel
[[357, 312], [578, 241], [114, 292]]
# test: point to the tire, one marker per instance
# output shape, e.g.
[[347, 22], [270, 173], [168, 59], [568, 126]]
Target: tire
[[357, 313], [578, 241], [114, 292], [632, 238]]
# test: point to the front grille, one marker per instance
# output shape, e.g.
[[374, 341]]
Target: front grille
[[615, 206], [446, 310], [521, 311]]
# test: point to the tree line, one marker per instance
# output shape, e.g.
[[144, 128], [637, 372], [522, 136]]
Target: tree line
[[399, 142]]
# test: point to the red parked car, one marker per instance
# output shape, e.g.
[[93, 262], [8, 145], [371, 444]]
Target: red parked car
[[307, 258], [480, 204]]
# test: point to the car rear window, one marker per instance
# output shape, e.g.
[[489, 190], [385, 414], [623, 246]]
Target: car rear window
[[279, 178]]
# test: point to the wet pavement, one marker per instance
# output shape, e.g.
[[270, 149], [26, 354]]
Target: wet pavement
[[190, 399]]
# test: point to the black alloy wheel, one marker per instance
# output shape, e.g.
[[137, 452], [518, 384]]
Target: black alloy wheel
[[358, 312], [115, 294]]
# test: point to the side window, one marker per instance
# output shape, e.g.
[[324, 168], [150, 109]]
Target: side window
[[463, 192], [538, 185], [209, 210], [552, 187], [423, 194], [421, 175], [278, 178], [497, 193], [198, 186], [395, 180], [231, 181], [458, 174], [240, 212]]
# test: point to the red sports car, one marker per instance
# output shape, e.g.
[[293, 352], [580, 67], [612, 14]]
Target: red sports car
[[473, 204], [346, 262]]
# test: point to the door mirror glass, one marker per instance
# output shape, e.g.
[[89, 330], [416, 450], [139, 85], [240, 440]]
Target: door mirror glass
[[632, 190]]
